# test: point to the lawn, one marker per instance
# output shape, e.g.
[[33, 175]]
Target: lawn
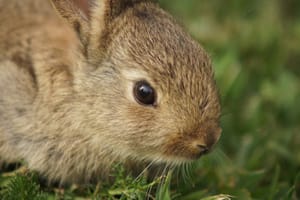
[[255, 47]]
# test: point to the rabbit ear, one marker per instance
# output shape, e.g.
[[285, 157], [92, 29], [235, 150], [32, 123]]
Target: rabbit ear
[[113, 8], [91, 19], [77, 13], [104, 12]]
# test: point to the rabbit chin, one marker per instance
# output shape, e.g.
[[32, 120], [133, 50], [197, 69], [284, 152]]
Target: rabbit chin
[[158, 159]]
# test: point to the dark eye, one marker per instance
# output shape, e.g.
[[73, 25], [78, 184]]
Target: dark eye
[[144, 93]]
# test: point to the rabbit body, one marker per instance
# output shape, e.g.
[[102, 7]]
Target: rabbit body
[[67, 106]]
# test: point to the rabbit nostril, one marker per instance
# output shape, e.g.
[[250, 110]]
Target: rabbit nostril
[[203, 149]]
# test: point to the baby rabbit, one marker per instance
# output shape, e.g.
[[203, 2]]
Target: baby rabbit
[[100, 82]]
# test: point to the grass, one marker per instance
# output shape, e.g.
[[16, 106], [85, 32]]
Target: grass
[[255, 47]]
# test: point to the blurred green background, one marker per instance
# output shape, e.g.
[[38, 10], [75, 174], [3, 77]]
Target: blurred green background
[[255, 47]]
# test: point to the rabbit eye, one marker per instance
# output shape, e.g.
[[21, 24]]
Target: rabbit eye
[[144, 93]]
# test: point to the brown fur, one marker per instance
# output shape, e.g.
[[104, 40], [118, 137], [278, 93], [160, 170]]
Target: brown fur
[[66, 104]]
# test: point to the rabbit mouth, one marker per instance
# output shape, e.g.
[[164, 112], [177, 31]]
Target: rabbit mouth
[[176, 155], [187, 149], [192, 145], [189, 154], [181, 156]]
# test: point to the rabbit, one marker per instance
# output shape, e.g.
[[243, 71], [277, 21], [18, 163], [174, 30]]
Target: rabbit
[[85, 84]]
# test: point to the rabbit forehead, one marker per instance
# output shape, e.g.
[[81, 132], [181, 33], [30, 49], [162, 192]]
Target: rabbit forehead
[[160, 49], [152, 40]]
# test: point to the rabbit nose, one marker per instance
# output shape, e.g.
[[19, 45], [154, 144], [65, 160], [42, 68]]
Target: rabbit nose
[[203, 149]]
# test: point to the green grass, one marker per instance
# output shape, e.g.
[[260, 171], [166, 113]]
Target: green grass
[[255, 47]]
